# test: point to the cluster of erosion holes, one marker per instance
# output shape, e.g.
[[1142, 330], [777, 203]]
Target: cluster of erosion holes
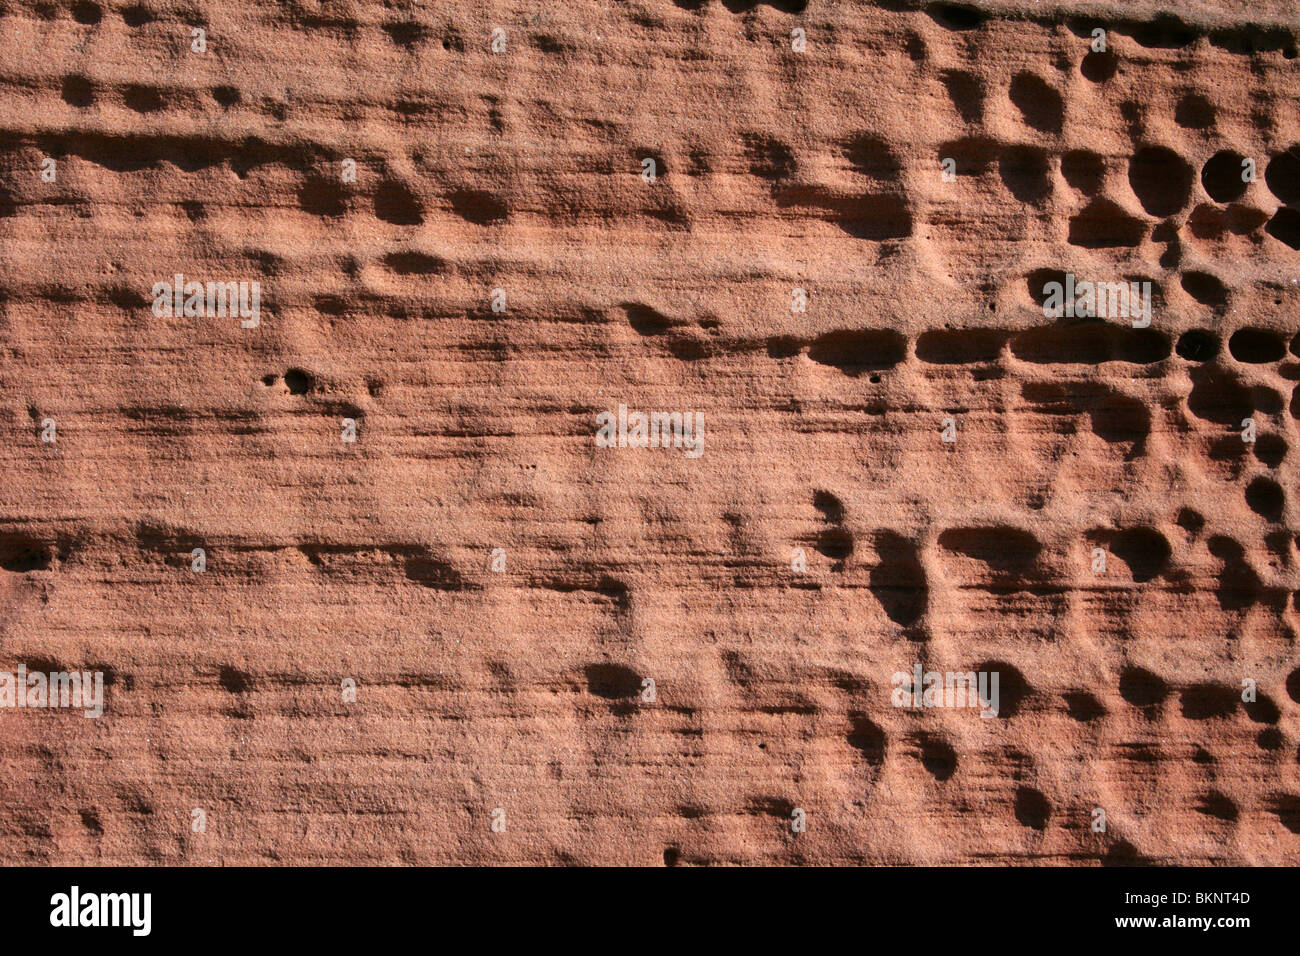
[[1138, 688], [319, 194], [1150, 695], [403, 33], [1008, 559], [395, 202], [859, 352], [1164, 31], [1218, 394], [1164, 182]]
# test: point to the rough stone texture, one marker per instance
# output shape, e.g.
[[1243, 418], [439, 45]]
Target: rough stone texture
[[521, 689]]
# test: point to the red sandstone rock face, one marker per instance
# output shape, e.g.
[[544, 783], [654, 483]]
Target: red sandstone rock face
[[827, 537]]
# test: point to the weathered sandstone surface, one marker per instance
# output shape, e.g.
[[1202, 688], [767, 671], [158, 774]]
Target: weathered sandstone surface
[[671, 658]]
